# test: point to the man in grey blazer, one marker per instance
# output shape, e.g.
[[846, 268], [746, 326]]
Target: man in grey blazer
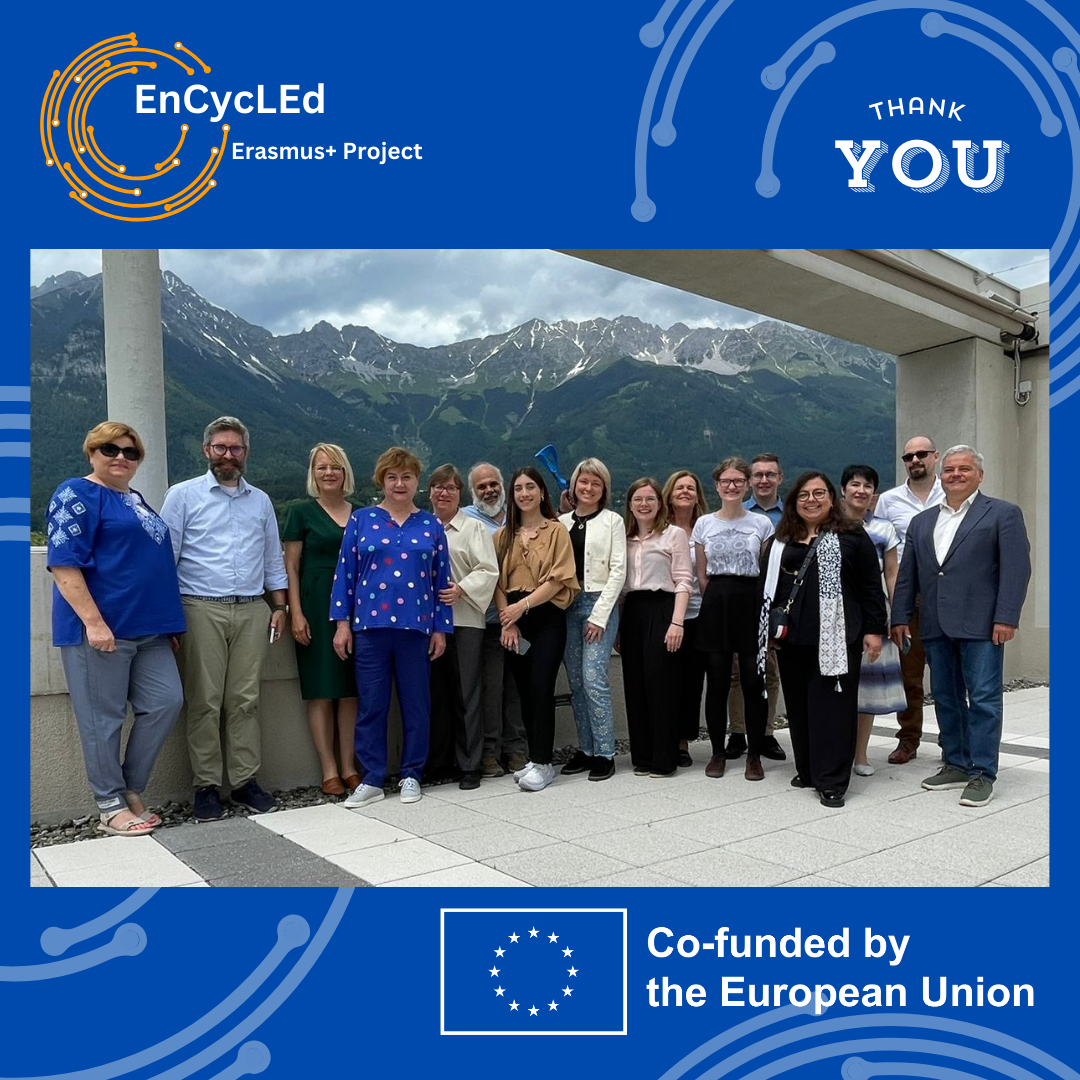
[[969, 560]]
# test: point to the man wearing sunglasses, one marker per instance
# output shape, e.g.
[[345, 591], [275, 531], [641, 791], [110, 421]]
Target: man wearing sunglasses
[[898, 506], [228, 557]]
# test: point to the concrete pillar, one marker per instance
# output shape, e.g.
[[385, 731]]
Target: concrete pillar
[[963, 393], [134, 371]]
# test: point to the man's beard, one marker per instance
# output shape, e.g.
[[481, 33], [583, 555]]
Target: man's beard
[[489, 510], [227, 471]]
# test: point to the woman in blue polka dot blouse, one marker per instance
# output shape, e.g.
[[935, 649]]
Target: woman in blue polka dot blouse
[[385, 601]]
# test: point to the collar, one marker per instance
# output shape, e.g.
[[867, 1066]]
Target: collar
[[579, 520], [456, 522], [752, 504], [964, 505], [212, 482], [933, 491]]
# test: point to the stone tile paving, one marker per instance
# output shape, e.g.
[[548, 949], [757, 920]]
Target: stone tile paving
[[625, 832]]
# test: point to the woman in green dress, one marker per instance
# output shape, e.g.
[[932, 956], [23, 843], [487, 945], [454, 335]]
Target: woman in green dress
[[312, 538]]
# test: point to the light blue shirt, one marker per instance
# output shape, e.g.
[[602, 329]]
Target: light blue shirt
[[224, 544], [774, 513]]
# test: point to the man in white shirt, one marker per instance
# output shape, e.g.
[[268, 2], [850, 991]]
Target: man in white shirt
[[898, 506], [969, 560], [228, 556]]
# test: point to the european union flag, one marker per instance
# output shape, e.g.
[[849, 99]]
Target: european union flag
[[525, 971]]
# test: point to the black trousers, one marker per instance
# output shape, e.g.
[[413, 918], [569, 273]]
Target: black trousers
[[650, 679], [755, 705], [544, 628], [447, 713], [823, 721], [691, 683]]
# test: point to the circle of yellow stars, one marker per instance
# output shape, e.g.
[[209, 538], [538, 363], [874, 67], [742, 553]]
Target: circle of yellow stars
[[571, 972]]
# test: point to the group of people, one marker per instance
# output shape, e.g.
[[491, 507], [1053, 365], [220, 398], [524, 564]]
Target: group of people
[[470, 611]]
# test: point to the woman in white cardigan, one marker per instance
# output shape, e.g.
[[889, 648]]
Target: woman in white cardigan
[[598, 538]]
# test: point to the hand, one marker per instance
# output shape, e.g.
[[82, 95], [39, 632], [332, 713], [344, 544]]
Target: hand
[[898, 633], [100, 637], [618, 642], [1002, 633], [277, 626], [174, 642], [451, 593], [673, 638], [343, 641], [872, 646], [437, 645], [301, 630], [512, 612], [593, 632], [511, 638]]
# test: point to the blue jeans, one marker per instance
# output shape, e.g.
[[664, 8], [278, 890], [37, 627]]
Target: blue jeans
[[966, 681], [384, 658], [587, 664]]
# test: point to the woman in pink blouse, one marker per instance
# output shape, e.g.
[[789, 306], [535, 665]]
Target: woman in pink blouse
[[655, 597]]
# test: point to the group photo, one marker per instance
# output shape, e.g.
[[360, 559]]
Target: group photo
[[585, 602]]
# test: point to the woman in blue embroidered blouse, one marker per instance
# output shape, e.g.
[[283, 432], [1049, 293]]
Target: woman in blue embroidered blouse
[[385, 601], [115, 606]]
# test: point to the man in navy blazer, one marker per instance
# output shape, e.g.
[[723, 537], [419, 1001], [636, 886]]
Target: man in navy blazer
[[969, 561]]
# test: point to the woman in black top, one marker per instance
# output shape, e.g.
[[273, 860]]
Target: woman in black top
[[837, 613]]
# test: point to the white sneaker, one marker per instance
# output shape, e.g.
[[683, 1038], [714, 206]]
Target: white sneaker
[[363, 795], [410, 790], [537, 778], [521, 772]]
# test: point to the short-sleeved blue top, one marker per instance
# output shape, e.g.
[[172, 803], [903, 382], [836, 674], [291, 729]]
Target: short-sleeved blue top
[[389, 576], [123, 549]]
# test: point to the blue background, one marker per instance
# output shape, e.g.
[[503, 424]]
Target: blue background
[[527, 115]]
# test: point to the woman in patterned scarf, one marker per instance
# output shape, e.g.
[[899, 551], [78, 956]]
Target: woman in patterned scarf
[[835, 615], [116, 611]]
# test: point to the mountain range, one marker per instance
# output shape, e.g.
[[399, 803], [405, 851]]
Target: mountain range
[[644, 399]]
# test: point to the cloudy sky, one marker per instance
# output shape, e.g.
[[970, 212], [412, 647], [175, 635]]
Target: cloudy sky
[[435, 297]]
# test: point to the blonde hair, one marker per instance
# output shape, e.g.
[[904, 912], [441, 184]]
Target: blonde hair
[[397, 457], [594, 467], [337, 456], [109, 431]]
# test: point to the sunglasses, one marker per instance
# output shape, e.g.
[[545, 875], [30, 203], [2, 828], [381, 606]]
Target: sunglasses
[[110, 450], [920, 454]]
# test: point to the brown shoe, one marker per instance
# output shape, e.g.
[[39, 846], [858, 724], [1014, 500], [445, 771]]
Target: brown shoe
[[490, 767], [515, 762], [352, 782], [333, 786], [715, 768], [754, 771], [903, 754]]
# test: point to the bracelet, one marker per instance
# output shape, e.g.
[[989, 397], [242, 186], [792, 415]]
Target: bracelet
[[279, 607], [678, 624], [526, 605]]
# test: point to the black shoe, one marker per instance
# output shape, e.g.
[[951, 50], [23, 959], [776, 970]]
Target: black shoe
[[252, 797], [736, 746], [469, 781], [579, 763], [771, 749], [685, 760], [642, 770], [832, 799], [208, 805], [603, 768], [799, 782]]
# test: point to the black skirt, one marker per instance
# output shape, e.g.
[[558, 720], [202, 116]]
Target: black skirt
[[728, 620]]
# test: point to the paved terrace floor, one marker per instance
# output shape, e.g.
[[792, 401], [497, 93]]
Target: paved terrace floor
[[627, 831]]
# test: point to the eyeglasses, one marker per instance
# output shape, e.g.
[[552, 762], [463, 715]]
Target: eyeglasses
[[817, 495], [644, 500], [920, 454], [110, 450], [220, 450], [444, 487], [764, 476], [731, 483]]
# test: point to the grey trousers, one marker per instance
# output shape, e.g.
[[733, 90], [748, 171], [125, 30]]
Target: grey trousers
[[504, 730], [141, 671]]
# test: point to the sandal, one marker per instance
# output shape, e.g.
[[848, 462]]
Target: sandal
[[133, 827], [147, 816]]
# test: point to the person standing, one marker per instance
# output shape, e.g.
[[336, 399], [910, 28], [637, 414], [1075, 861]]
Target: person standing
[[312, 536], [504, 731], [898, 506], [969, 560], [392, 569], [728, 552], [228, 556], [116, 606], [598, 538], [766, 476]]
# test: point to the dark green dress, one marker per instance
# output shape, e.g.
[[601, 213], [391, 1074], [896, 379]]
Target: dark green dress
[[322, 674]]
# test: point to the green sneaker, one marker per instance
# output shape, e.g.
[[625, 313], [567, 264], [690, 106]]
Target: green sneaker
[[978, 792], [946, 778]]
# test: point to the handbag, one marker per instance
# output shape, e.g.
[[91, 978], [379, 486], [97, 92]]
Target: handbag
[[780, 616]]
